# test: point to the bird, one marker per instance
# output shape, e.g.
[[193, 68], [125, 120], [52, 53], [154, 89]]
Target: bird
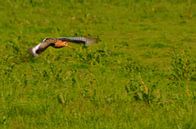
[[60, 43]]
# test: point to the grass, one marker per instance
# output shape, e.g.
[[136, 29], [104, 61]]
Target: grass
[[142, 74]]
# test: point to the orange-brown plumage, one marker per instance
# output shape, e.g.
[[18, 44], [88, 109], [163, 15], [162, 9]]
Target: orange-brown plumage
[[59, 43]]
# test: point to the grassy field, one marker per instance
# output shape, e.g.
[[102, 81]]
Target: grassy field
[[141, 75]]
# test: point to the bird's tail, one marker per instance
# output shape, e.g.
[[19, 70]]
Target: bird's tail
[[84, 40]]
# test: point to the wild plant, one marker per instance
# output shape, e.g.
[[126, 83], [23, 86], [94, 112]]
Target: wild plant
[[181, 69], [137, 87]]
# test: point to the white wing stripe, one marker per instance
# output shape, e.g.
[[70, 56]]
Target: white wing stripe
[[34, 49]]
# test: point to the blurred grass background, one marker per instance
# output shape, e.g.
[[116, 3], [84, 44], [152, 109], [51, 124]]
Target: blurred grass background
[[142, 74]]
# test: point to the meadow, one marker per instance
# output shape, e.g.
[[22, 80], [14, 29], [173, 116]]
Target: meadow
[[140, 75]]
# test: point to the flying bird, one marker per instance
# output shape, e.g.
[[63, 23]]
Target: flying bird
[[60, 42]]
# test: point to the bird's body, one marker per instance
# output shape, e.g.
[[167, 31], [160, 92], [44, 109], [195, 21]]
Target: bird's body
[[59, 43]]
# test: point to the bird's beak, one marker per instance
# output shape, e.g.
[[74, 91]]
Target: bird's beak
[[66, 44]]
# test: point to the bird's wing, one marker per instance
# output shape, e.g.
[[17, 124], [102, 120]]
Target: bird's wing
[[42, 46], [36, 50], [33, 50], [80, 40]]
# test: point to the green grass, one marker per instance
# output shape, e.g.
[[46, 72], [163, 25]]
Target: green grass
[[142, 74]]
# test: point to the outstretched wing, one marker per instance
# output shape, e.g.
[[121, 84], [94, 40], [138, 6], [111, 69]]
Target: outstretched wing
[[81, 40], [60, 42], [42, 46]]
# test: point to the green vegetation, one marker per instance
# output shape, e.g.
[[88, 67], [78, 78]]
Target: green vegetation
[[141, 75]]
